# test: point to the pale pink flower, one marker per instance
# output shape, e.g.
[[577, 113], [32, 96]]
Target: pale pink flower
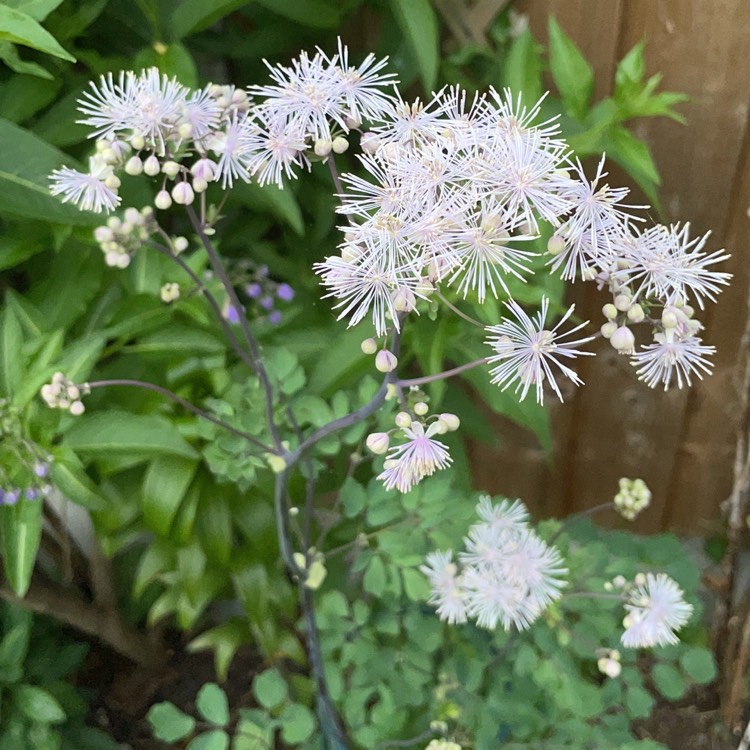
[[672, 358]]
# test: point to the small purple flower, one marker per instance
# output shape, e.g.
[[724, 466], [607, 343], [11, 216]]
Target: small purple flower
[[285, 292], [32, 493], [41, 469], [254, 290], [232, 315], [267, 303], [11, 497], [274, 317]]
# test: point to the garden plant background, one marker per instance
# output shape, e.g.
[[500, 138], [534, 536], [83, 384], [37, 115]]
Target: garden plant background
[[205, 541]]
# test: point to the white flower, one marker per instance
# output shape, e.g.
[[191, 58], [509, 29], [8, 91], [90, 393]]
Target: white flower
[[633, 497], [88, 191], [447, 594], [505, 515], [110, 107], [655, 610], [232, 148], [672, 358], [493, 598], [274, 147], [526, 349]]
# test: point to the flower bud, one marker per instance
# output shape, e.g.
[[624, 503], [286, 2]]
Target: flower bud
[[608, 329], [378, 442], [669, 319], [185, 130], [623, 302], [183, 194], [77, 408], [623, 340], [421, 408], [636, 314], [340, 144], [170, 168], [199, 186], [369, 346], [112, 182], [555, 245], [322, 147], [403, 419], [385, 361], [163, 200], [134, 166], [609, 311], [137, 142], [151, 166], [404, 299], [451, 420]]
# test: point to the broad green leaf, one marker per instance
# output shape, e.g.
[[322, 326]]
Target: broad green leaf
[[212, 704], [416, 585], [270, 689], [9, 55], [374, 579], [297, 723], [178, 339], [24, 178], [319, 14], [169, 723], [272, 200], [189, 16], [699, 664], [632, 67], [638, 702], [573, 76], [38, 705], [216, 739], [68, 475], [635, 157], [164, 487], [522, 69], [214, 525], [22, 529], [418, 24], [20, 28], [668, 681], [157, 558], [36, 9], [113, 431], [11, 355], [79, 357]]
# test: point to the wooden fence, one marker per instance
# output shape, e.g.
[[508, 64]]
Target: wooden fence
[[681, 442]]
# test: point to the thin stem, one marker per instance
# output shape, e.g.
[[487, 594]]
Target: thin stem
[[307, 517], [220, 271], [593, 595], [228, 332], [335, 175], [442, 375], [184, 403], [581, 514], [458, 312]]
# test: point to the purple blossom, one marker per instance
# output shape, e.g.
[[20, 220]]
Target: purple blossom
[[285, 292], [274, 317], [254, 290], [267, 303]]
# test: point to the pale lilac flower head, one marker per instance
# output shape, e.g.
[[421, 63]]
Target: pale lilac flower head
[[655, 611], [88, 191], [672, 358]]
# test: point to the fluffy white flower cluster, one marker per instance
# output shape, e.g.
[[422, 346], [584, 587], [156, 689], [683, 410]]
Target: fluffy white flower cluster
[[63, 393], [506, 576], [150, 124], [633, 497], [119, 239]]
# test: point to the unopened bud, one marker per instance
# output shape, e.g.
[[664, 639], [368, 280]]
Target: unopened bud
[[183, 194], [137, 142], [163, 200], [404, 300], [112, 182], [403, 419], [608, 329], [369, 346], [609, 311], [322, 147], [451, 420], [623, 302], [385, 361], [370, 143], [77, 408], [340, 144], [170, 168], [636, 314], [669, 319], [151, 166], [555, 244], [378, 442], [180, 244], [421, 408], [134, 166], [623, 340]]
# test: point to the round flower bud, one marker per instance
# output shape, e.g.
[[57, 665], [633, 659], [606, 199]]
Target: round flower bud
[[77, 408], [689, 311], [623, 340], [636, 314], [439, 427], [608, 329], [451, 420], [623, 302], [163, 200], [403, 419], [589, 274], [609, 311], [183, 194], [669, 319], [122, 261], [170, 168], [204, 169], [112, 182], [340, 144], [180, 244], [378, 442], [421, 408], [103, 234], [352, 121], [322, 147], [385, 361], [370, 143], [555, 244], [369, 346], [404, 299], [134, 166], [199, 186], [151, 166], [137, 142], [185, 130]]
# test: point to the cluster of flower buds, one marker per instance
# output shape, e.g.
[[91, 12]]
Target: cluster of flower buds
[[63, 393], [263, 294], [442, 744], [633, 497], [421, 455], [119, 239], [385, 361], [608, 662]]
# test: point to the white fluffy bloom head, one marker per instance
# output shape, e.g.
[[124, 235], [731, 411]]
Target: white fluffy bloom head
[[89, 191], [655, 610], [671, 358], [447, 594]]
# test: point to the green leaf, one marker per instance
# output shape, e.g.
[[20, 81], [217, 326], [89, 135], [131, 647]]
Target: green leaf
[[169, 723], [270, 689], [212, 704], [668, 681], [68, 475], [374, 579], [353, 497], [175, 61], [318, 14], [216, 739], [36, 9], [24, 184], [20, 28], [632, 67], [635, 157], [11, 358], [272, 200], [22, 529], [38, 705], [177, 339], [638, 702], [9, 55], [416, 585], [418, 24], [522, 69], [190, 16], [699, 664], [223, 640], [215, 526], [164, 487], [120, 432], [573, 76], [297, 723]]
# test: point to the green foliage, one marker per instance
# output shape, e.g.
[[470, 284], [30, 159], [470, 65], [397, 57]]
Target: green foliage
[[40, 708]]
